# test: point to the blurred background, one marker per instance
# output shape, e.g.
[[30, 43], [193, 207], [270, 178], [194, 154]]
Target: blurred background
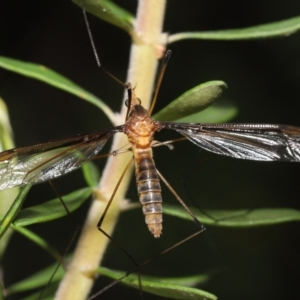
[[263, 82]]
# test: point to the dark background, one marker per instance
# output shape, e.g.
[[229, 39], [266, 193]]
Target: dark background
[[263, 79]]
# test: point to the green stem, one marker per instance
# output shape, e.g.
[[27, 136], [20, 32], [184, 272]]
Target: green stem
[[92, 244]]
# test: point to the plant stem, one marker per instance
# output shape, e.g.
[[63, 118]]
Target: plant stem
[[92, 244]]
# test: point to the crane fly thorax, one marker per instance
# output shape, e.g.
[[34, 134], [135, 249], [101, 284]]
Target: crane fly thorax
[[140, 127]]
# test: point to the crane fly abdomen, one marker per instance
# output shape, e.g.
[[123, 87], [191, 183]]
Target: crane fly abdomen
[[149, 190], [140, 128]]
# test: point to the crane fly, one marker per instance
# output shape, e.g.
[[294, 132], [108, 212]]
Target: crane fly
[[42, 162]]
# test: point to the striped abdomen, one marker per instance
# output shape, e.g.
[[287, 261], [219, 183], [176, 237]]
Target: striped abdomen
[[149, 190]]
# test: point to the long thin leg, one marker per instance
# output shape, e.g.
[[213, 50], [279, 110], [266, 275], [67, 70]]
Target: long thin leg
[[183, 182], [196, 204], [146, 262], [138, 267], [107, 235], [114, 193], [74, 235], [198, 223]]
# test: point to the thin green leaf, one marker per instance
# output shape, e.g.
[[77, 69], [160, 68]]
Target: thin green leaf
[[91, 174], [111, 13], [52, 209], [1, 292], [238, 218], [160, 286], [37, 280], [41, 242], [14, 209], [50, 77], [48, 294], [271, 30], [185, 281], [7, 197], [6, 135], [192, 101], [218, 113]]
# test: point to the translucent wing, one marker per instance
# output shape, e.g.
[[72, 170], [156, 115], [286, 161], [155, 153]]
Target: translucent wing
[[45, 161], [266, 142]]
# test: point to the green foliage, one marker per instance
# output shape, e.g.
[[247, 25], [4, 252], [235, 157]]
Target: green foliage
[[52, 78], [238, 218], [186, 108], [172, 288], [192, 101], [52, 209], [265, 31]]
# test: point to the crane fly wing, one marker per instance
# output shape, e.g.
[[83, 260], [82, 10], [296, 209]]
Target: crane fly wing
[[265, 142], [45, 161]]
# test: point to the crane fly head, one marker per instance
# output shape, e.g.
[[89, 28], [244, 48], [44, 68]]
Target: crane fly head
[[132, 100]]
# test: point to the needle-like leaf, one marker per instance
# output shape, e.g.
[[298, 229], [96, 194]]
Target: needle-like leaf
[[271, 30], [238, 218], [51, 77], [52, 209], [192, 101]]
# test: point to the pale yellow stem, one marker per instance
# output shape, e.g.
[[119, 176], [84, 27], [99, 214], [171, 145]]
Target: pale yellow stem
[[92, 243]]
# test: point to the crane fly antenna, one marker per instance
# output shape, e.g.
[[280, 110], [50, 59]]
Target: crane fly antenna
[[159, 79], [87, 24], [126, 85]]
